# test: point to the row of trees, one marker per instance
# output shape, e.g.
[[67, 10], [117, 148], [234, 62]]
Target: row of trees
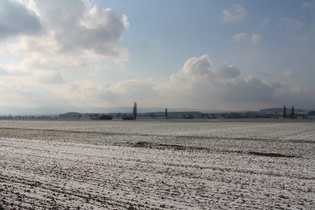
[[285, 115], [135, 113], [291, 115]]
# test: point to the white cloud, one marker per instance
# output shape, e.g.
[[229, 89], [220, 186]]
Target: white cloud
[[55, 43], [239, 37], [50, 78], [71, 28], [255, 38], [306, 5], [75, 27], [62, 43], [286, 74], [236, 14], [228, 71], [197, 84], [37, 64], [16, 19], [197, 67], [73, 40], [292, 23], [3, 72], [265, 22], [125, 21], [25, 91], [90, 93]]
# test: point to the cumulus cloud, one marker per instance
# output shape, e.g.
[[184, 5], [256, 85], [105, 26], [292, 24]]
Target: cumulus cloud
[[283, 74], [236, 14], [228, 71], [197, 67], [50, 78], [286, 74], [16, 19], [3, 72], [292, 23], [239, 37], [200, 68], [76, 26], [73, 38], [255, 38], [70, 27], [53, 43], [26, 92], [197, 84], [89, 93]]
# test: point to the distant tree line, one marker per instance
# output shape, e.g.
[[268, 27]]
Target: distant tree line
[[28, 117], [265, 113], [105, 117], [134, 113], [292, 114]]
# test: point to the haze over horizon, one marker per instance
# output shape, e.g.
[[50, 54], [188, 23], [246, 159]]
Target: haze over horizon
[[205, 54]]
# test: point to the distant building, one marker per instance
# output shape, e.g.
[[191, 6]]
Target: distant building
[[311, 115], [70, 115]]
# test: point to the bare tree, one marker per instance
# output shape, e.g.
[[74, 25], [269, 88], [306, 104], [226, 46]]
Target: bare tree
[[166, 114], [135, 111], [284, 112], [292, 112]]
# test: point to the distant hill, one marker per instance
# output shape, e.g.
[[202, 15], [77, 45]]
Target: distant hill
[[65, 109], [280, 110], [272, 110]]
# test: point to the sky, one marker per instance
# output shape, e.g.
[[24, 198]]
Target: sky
[[198, 54]]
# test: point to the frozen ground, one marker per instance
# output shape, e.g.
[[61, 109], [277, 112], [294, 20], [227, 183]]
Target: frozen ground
[[161, 165]]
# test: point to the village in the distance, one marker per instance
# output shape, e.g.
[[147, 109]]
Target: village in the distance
[[145, 113]]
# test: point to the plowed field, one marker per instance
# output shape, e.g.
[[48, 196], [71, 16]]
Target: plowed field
[[157, 165]]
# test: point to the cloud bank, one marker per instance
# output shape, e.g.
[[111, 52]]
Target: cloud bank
[[57, 46], [198, 85], [74, 26], [16, 19], [63, 27]]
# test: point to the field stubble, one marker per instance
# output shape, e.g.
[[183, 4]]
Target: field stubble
[[142, 165]]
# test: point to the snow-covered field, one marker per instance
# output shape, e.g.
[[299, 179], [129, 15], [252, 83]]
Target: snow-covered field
[[157, 165]]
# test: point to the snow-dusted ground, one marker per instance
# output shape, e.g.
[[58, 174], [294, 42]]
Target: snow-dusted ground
[[157, 164]]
